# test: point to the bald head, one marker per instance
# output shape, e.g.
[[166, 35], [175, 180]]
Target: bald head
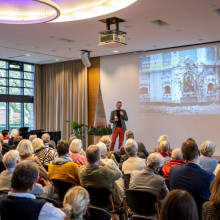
[[93, 154], [45, 137], [177, 154]]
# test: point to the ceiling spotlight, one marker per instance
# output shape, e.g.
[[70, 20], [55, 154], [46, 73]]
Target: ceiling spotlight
[[115, 51], [27, 55]]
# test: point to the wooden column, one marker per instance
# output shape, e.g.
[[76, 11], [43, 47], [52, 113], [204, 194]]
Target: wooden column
[[93, 88]]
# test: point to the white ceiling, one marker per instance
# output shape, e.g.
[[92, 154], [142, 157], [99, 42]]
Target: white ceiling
[[190, 22]]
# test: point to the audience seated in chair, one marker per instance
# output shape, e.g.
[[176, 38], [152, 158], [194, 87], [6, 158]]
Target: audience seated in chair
[[6, 136], [20, 204], [179, 204], [99, 175], [46, 139], [163, 137], [148, 179], [74, 152], [75, 203], [43, 153], [82, 152], [25, 149], [165, 151], [14, 134], [142, 151], [133, 162], [10, 160], [206, 161], [63, 168], [211, 208], [5, 145], [107, 141], [192, 177], [177, 160]]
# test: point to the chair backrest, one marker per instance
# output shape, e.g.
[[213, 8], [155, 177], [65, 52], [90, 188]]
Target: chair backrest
[[54, 202], [97, 214], [99, 197], [61, 188], [140, 217], [127, 180], [141, 202]]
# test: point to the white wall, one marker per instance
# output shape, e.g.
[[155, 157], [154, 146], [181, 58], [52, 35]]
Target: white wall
[[120, 81]]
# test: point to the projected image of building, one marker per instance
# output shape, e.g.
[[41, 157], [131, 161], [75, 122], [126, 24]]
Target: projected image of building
[[182, 77]]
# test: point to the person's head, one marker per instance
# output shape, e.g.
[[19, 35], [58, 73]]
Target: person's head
[[154, 161], [17, 140], [102, 148], [131, 147], [164, 146], [129, 134], [118, 105], [106, 140], [24, 176], [190, 151], [177, 154], [93, 154], [5, 133], [207, 148], [163, 137], [215, 190], [190, 139], [37, 144], [75, 202], [45, 137], [11, 158], [25, 148], [62, 148], [31, 137], [179, 203], [71, 139], [75, 146], [1, 137], [14, 133]]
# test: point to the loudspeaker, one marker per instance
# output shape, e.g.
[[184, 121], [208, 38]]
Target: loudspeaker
[[85, 59]]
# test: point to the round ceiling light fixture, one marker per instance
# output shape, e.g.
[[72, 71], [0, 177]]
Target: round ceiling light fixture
[[28, 12], [40, 11]]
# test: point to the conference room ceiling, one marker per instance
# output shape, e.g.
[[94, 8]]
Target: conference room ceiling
[[186, 22]]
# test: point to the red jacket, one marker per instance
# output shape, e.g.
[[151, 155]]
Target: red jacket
[[167, 166]]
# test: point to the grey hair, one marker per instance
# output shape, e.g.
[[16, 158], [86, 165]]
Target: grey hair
[[177, 154], [25, 148], [102, 148], [37, 144], [14, 132], [131, 147], [11, 158], [207, 148], [31, 137], [75, 146], [154, 161]]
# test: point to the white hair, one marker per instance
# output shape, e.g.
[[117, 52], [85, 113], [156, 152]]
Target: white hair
[[37, 144], [154, 161], [76, 146], [177, 154], [207, 148], [102, 148], [164, 146], [25, 148], [14, 132], [11, 158], [131, 147], [31, 137]]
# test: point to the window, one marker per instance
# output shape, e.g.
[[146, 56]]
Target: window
[[16, 95]]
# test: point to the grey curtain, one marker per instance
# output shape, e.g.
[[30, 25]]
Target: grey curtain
[[60, 94]]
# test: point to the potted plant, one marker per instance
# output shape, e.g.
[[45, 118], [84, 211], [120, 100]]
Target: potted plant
[[77, 129], [100, 130]]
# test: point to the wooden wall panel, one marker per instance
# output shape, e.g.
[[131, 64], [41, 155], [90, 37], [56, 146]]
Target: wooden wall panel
[[93, 88]]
